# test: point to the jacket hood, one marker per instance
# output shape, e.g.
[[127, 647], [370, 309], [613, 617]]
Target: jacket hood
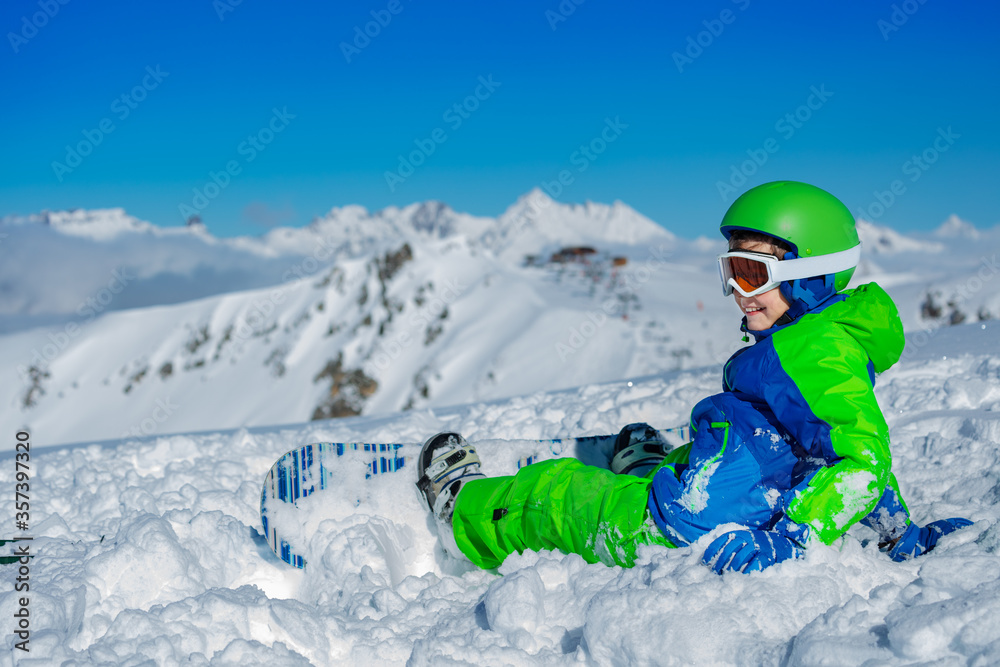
[[871, 318]]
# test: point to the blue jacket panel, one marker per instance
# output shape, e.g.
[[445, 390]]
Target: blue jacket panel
[[755, 446]]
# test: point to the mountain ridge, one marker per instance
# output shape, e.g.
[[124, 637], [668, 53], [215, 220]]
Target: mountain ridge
[[407, 308]]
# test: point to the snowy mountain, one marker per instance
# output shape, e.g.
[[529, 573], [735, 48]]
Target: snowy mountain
[[148, 550], [406, 308], [420, 324], [946, 278], [408, 321], [72, 255], [536, 222], [97, 225], [880, 240], [954, 227]]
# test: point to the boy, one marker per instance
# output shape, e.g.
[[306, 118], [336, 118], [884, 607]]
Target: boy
[[795, 449]]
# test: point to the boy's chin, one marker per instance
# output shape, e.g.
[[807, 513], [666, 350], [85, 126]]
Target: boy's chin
[[757, 323]]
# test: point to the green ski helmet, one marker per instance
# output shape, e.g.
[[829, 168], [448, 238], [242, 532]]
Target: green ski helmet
[[811, 220]]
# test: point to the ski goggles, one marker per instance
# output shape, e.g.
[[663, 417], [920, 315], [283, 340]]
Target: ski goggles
[[753, 273]]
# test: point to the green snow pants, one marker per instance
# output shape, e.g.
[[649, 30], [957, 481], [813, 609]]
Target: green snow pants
[[558, 504]]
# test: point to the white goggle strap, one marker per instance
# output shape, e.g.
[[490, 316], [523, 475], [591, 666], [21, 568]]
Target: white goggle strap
[[793, 269], [807, 267]]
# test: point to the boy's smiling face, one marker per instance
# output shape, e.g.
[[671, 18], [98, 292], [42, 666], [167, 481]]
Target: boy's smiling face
[[763, 310]]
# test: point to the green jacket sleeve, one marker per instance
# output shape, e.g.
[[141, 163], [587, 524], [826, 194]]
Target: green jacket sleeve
[[823, 394]]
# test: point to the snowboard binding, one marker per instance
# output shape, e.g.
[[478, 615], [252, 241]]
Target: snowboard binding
[[446, 462], [638, 449]]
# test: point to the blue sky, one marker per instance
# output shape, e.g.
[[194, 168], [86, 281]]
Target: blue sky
[[672, 108]]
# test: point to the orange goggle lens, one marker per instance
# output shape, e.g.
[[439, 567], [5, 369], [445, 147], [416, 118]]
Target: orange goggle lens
[[749, 274]]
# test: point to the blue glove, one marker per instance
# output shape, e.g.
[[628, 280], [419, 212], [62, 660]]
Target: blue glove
[[748, 550], [917, 541]]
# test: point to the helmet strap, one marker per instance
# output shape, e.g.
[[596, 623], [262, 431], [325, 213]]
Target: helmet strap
[[810, 292], [804, 294]]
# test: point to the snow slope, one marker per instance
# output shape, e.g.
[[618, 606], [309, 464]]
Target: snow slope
[[403, 308], [148, 550], [418, 323], [54, 261], [958, 266]]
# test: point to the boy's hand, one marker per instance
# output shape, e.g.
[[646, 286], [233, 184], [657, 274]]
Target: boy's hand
[[917, 541], [748, 550]]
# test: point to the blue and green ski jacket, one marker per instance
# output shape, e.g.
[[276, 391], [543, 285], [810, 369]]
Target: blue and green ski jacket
[[796, 442]]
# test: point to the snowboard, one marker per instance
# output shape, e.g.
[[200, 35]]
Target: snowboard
[[329, 485]]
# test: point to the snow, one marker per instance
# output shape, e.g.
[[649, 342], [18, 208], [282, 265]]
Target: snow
[[883, 240], [453, 324], [954, 226], [463, 320], [96, 224], [149, 550], [858, 490], [73, 254], [536, 221], [695, 496], [147, 538]]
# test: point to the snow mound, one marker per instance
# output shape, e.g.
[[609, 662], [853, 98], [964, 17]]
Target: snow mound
[[149, 550]]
